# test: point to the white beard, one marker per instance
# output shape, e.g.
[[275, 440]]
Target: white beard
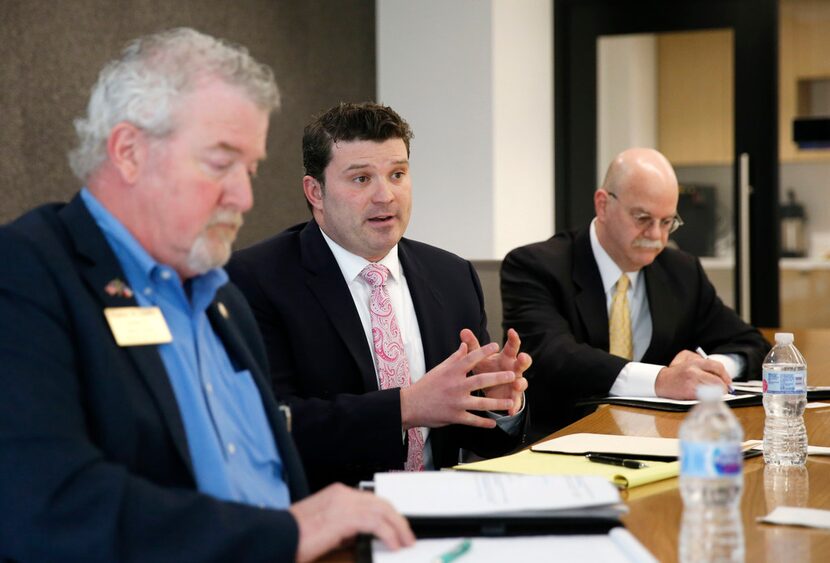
[[213, 250]]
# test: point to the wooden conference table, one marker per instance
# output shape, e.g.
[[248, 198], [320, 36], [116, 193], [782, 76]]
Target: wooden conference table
[[655, 509]]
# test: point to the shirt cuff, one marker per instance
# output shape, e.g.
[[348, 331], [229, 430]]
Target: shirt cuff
[[733, 363], [511, 425], [636, 379]]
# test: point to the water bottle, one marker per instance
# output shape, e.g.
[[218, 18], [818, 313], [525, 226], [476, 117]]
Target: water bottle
[[711, 481], [785, 396]]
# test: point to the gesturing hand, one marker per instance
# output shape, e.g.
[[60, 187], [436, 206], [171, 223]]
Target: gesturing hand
[[444, 396], [509, 359]]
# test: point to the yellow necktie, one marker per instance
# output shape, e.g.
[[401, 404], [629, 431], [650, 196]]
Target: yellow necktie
[[619, 325]]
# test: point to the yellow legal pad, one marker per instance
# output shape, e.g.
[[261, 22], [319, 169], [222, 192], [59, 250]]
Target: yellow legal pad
[[527, 462]]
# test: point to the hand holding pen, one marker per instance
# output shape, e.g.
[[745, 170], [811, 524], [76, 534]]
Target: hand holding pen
[[688, 370], [705, 356]]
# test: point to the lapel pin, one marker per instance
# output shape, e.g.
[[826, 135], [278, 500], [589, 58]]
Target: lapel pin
[[117, 288], [222, 309]]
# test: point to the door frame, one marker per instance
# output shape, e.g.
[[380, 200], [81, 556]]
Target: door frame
[[577, 26]]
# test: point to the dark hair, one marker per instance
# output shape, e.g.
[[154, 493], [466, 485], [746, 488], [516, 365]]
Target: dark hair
[[365, 121]]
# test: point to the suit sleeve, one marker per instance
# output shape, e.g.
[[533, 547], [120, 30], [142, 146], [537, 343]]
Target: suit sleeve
[[63, 498], [483, 442], [719, 330]]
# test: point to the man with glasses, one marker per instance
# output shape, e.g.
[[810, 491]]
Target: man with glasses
[[609, 310]]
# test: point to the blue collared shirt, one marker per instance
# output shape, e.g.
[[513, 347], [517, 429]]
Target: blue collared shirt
[[230, 441]]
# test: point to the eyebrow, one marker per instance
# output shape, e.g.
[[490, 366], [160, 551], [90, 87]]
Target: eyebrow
[[641, 211], [223, 146], [358, 166]]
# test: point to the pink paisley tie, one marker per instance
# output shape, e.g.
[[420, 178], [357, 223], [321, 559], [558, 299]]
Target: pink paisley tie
[[390, 356]]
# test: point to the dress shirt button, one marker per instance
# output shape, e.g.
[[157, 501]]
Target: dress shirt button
[[148, 291], [209, 388], [231, 448], [165, 274]]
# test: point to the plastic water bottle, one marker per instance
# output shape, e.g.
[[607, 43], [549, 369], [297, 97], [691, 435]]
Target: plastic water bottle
[[711, 481], [785, 396]]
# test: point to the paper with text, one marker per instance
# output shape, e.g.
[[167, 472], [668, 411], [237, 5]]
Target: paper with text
[[451, 493]]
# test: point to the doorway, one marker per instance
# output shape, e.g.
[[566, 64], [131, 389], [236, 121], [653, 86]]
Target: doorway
[[739, 179]]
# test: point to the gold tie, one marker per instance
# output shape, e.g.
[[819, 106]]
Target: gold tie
[[619, 326]]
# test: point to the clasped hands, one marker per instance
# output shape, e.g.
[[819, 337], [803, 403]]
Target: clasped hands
[[445, 394], [680, 379]]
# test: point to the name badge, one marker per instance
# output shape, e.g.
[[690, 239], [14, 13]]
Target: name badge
[[138, 326]]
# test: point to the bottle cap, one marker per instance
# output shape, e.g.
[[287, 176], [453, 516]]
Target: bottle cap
[[708, 393], [784, 338]]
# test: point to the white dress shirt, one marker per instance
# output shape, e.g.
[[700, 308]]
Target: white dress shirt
[[637, 379]]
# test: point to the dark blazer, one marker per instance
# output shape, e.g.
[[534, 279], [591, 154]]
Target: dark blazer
[[552, 295], [94, 464], [345, 428]]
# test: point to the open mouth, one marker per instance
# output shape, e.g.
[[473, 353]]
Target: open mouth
[[381, 219]]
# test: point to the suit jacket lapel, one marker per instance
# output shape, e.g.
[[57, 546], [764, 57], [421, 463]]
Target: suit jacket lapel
[[428, 307], [325, 280], [99, 268], [590, 297], [664, 309]]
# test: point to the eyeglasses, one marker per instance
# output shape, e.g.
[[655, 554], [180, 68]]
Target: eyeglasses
[[645, 221]]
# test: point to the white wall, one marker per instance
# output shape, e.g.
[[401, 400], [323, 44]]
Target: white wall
[[474, 79], [627, 96], [522, 123]]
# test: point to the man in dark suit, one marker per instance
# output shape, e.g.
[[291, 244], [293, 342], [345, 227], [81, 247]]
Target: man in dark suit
[[330, 353], [561, 294], [136, 422]]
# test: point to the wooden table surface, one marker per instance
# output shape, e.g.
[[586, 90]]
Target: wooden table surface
[[655, 509]]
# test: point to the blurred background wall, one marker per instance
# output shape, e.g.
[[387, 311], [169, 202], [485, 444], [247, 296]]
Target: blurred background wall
[[321, 51]]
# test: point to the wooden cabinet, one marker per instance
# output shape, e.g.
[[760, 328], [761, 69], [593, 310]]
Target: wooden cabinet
[[696, 90], [805, 289], [805, 298], [804, 54], [695, 95]]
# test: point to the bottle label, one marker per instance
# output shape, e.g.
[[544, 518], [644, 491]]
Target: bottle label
[[710, 459], [785, 382]]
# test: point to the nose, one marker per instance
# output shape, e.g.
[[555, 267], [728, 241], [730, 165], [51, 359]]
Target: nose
[[238, 192], [384, 191], [653, 230]]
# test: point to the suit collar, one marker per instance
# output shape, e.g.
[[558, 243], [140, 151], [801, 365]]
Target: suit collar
[[664, 310], [590, 297], [99, 268], [428, 305], [325, 280]]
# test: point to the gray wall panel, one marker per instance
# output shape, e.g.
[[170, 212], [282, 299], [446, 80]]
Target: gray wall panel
[[321, 51]]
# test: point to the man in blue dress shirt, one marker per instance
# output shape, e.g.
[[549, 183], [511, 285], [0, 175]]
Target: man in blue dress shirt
[[136, 421]]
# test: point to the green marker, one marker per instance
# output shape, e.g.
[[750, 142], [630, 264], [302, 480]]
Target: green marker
[[455, 552]]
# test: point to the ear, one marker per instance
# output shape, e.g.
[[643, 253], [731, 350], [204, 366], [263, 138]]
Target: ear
[[313, 192], [600, 203], [126, 148]]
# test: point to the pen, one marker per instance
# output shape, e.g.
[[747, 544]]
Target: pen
[[611, 460], [455, 552], [705, 356]]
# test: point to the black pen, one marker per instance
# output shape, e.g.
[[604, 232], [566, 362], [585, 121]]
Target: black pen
[[611, 460]]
